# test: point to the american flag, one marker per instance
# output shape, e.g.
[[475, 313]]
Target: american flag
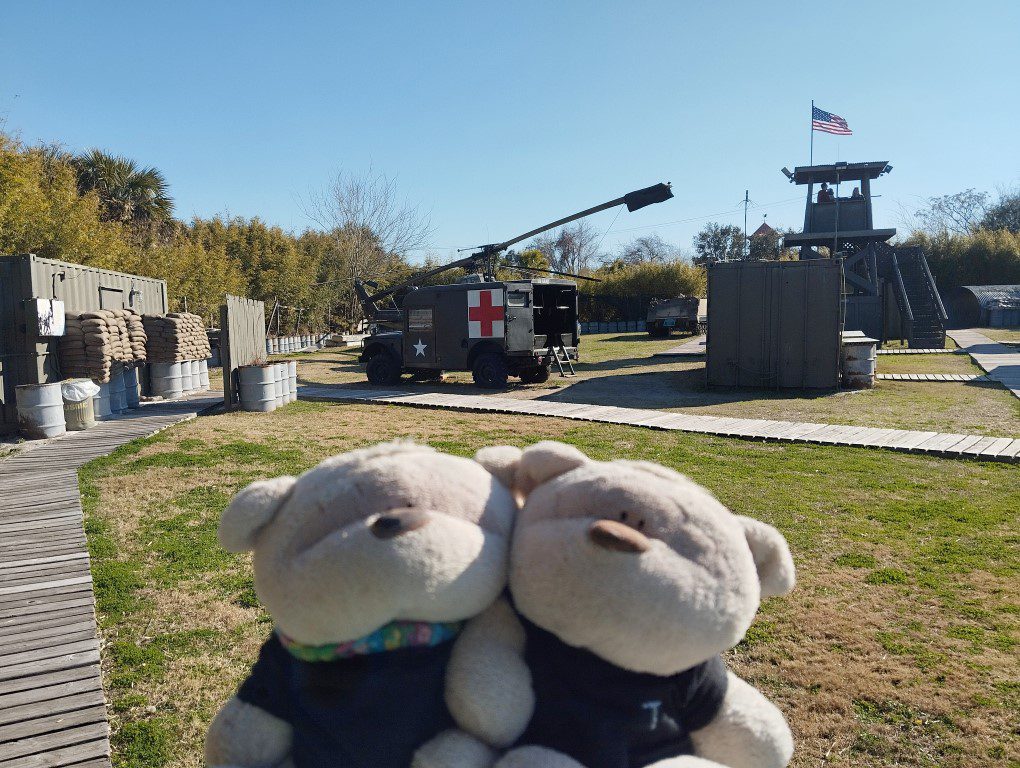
[[829, 123]]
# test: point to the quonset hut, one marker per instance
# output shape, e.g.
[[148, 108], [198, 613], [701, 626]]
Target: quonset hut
[[985, 306]]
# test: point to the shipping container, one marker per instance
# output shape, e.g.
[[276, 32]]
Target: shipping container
[[29, 358], [775, 324]]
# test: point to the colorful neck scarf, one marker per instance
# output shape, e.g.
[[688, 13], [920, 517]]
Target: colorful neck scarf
[[389, 637]]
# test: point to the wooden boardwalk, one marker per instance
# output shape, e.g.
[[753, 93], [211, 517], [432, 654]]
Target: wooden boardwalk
[[914, 441], [971, 377], [52, 709], [1002, 363], [938, 351]]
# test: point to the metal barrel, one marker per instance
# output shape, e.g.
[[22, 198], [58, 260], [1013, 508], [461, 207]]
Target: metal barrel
[[280, 382], [859, 363], [187, 384], [166, 380], [101, 401], [131, 386], [203, 374], [291, 381], [81, 415], [118, 394], [40, 410], [258, 387]]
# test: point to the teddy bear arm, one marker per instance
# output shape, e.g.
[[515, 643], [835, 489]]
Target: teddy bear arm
[[747, 732], [242, 734], [488, 684]]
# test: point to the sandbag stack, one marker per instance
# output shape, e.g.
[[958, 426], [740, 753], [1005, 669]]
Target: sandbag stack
[[136, 337], [175, 337], [87, 348]]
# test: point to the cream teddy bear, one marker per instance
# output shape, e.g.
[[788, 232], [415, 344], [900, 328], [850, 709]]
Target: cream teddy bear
[[368, 563], [628, 581]]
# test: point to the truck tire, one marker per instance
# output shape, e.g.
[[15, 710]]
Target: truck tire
[[490, 371], [538, 375], [383, 368]]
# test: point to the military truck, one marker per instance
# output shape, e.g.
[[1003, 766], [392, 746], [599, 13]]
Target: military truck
[[493, 328], [683, 314]]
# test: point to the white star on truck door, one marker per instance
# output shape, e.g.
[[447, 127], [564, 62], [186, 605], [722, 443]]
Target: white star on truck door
[[419, 348]]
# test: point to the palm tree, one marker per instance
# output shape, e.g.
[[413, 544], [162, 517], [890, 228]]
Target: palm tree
[[128, 194]]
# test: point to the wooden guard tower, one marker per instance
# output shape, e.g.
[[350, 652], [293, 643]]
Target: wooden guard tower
[[889, 291]]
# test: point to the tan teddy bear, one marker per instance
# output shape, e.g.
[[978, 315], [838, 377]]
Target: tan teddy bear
[[628, 581], [368, 563]]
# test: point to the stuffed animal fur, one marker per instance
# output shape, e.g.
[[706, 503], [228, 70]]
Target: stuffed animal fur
[[368, 564], [628, 581]]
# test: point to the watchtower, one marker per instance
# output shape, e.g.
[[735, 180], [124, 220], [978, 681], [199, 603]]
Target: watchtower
[[888, 291], [843, 219]]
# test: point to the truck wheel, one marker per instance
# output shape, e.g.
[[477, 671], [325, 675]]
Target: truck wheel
[[490, 371], [383, 368], [538, 375]]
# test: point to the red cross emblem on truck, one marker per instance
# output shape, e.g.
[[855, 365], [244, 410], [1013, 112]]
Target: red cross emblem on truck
[[486, 314]]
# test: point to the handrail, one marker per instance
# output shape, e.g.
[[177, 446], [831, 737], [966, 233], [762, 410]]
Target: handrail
[[903, 288], [933, 289]]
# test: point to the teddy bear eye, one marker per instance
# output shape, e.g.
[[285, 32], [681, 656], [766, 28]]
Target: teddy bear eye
[[623, 516], [410, 503], [641, 525]]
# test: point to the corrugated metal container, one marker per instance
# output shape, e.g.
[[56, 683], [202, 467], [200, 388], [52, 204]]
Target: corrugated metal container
[[775, 324], [26, 358]]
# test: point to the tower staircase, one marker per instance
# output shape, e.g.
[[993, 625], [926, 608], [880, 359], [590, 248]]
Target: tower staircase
[[918, 299]]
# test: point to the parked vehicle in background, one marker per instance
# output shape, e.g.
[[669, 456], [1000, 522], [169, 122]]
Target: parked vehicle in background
[[686, 314]]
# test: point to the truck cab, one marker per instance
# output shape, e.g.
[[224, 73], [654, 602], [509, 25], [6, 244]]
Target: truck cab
[[495, 329]]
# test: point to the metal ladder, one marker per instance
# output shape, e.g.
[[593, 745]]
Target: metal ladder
[[554, 352]]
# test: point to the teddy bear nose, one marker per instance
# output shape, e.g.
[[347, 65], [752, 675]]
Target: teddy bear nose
[[389, 525], [609, 534]]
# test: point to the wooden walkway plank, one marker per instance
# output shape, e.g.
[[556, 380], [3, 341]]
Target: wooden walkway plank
[[52, 709], [999, 447]]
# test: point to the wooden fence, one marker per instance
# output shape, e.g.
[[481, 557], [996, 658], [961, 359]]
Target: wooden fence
[[242, 341]]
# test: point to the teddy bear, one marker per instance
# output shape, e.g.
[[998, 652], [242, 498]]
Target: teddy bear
[[368, 563], [627, 582]]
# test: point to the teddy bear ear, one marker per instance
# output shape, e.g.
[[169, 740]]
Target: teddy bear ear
[[502, 462], [545, 460], [771, 555], [251, 510]]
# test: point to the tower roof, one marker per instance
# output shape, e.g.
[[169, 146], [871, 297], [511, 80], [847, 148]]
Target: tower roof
[[764, 229], [839, 172]]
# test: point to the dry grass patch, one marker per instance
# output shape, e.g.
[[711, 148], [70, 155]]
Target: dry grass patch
[[898, 647], [621, 370]]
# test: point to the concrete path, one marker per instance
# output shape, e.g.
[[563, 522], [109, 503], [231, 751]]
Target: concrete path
[[936, 443], [52, 708], [691, 348], [1002, 363]]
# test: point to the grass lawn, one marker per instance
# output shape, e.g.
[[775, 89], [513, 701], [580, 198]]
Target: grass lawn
[[1005, 335], [621, 370], [898, 647]]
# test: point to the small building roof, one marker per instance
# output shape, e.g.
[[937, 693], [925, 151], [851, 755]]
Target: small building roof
[[764, 229], [995, 295], [839, 172]]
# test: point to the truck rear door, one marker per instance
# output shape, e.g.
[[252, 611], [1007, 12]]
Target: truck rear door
[[520, 319]]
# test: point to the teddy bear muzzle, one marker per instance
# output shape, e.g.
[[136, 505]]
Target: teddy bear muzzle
[[618, 537], [389, 525]]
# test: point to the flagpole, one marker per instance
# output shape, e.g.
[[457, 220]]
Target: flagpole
[[811, 123]]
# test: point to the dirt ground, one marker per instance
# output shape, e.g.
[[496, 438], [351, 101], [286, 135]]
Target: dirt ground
[[621, 370]]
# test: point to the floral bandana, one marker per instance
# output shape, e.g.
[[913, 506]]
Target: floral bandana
[[389, 637]]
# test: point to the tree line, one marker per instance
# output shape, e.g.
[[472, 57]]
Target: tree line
[[107, 211]]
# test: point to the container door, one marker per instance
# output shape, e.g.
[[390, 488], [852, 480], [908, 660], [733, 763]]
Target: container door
[[520, 320], [420, 338]]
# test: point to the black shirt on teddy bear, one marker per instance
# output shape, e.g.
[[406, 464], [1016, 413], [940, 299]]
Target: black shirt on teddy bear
[[608, 717], [366, 711]]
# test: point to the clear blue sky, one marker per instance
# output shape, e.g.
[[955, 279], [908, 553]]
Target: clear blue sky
[[497, 117]]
